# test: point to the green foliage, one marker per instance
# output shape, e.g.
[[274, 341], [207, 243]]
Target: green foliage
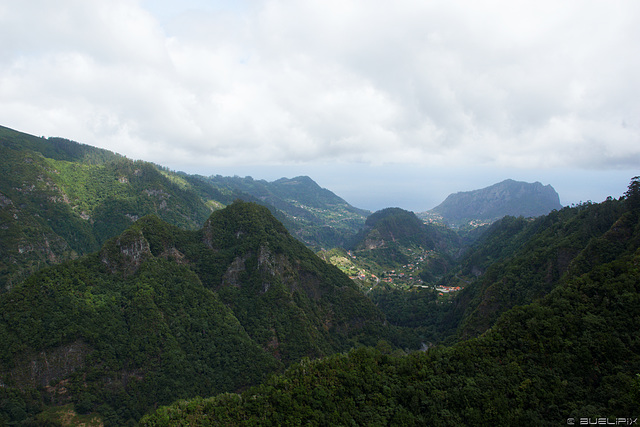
[[545, 329], [158, 306], [55, 148], [632, 195], [399, 226], [60, 199], [416, 313], [533, 261], [314, 215], [573, 354], [147, 335]]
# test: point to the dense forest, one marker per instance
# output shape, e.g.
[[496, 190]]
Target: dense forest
[[60, 199], [567, 352], [131, 294], [132, 325]]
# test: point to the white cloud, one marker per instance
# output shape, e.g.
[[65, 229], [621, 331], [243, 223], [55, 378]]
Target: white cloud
[[533, 84]]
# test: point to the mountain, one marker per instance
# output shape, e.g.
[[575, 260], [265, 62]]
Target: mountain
[[392, 225], [518, 261], [60, 199], [514, 262], [567, 352], [509, 197], [313, 214], [396, 253], [388, 234], [161, 313]]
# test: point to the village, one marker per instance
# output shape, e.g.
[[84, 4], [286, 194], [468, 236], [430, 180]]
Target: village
[[405, 276]]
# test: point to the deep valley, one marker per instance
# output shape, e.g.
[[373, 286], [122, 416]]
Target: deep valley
[[131, 294]]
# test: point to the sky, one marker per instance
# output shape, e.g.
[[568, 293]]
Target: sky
[[385, 103]]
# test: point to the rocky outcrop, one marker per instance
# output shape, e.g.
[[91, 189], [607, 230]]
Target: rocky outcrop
[[508, 197], [126, 253], [41, 368]]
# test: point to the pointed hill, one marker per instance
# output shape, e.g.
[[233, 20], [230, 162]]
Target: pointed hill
[[161, 313], [388, 234], [509, 197], [397, 245], [265, 267]]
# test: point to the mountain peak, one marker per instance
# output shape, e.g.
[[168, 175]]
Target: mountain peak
[[509, 197], [237, 221]]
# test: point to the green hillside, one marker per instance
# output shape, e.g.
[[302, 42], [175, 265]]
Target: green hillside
[[161, 313], [397, 246], [565, 354], [60, 199], [128, 290], [313, 214]]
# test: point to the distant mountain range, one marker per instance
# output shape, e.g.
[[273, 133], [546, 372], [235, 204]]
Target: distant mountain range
[[60, 199], [509, 197], [314, 214]]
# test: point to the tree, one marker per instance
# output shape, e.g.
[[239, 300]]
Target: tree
[[632, 195]]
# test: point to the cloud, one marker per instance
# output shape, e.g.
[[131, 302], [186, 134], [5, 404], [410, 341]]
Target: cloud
[[535, 84]]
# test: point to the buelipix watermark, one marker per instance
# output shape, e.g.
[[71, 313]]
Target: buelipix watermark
[[589, 421]]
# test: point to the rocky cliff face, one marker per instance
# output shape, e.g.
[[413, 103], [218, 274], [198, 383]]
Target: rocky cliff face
[[38, 369], [508, 197], [126, 253]]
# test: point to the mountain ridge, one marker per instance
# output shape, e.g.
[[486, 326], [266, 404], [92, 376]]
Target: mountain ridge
[[60, 199], [566, 352], [508, 197], [130, 326]]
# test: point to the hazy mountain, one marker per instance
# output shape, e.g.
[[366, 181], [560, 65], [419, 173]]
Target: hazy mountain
[[509, 197], [314, 214], [161, 313]]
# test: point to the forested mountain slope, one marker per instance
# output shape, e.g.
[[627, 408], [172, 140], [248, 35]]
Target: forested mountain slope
[[515, 262], [315, 215], [60, 199], [389, 235], [519, 260], [569, 354], [160, 313]]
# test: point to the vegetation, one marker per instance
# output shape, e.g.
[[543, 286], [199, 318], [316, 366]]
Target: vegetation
[[130, 289], [570, 352], [60, 199], [314, 215], [397, 248], [129, 327]]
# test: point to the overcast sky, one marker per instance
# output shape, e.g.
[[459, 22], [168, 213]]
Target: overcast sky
[[386, 103]]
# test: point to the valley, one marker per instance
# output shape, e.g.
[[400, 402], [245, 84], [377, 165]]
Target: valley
[[122, 281]]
